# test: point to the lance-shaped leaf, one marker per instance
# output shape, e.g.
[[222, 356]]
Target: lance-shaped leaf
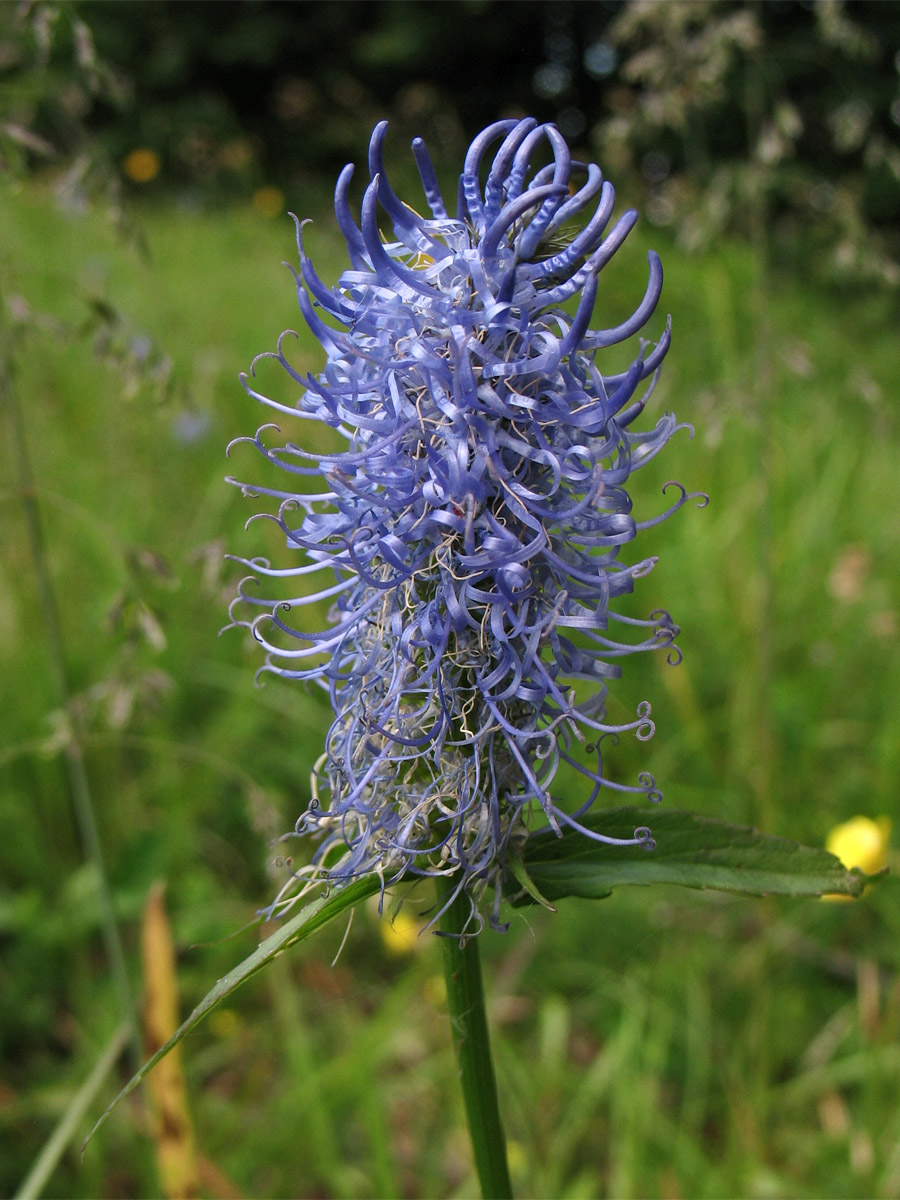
[[312, 917], [690, 850]]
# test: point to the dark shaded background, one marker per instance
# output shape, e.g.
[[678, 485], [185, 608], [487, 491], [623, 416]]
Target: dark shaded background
[[706, 108], [299, 78]]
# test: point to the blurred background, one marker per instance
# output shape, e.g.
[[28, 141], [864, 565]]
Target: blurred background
[[660, 1043]]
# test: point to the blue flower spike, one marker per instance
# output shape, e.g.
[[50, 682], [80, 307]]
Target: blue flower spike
[[469, 533]]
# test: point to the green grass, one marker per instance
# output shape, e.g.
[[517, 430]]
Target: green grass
[[659, 1043]]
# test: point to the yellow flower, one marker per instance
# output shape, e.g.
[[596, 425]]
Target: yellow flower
[[400, 934], [268, 202], [141, 165], [860, 842]]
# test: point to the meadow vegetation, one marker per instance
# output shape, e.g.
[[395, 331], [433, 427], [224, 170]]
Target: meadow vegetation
[[657, 1044]]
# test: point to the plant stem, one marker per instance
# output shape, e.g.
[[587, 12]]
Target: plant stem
[[468, 1020], [73, 757], [54, 1148]]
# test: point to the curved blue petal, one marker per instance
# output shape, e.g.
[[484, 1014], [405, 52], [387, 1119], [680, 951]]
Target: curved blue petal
[[468, 504]]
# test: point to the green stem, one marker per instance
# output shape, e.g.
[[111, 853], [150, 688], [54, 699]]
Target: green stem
[[468, 1020], [45, 1164], [73, 757]]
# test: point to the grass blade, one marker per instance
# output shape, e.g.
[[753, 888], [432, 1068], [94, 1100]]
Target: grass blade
[[45, 1163], [312, 917]]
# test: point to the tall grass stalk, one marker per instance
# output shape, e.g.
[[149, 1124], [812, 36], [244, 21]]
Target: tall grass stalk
[[319, 1120], [46, 1162], [761, 771], [73, 753]]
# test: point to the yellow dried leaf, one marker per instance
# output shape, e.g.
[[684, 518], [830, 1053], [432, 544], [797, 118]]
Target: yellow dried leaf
[[174, 1134]]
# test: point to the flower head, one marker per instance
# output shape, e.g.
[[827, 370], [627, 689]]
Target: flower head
[[860, 842], [470, 530]]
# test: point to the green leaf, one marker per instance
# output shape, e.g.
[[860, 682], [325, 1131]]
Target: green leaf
[[521, 876], [693, 851], [312, 917]]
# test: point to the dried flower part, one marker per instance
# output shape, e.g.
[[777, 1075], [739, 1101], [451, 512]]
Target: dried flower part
[[471, 531]]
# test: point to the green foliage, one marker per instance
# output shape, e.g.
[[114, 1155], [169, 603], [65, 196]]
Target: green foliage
[[690, 850], [53, 82], [774, 119], [731, 118], [717, 1045], [311, 917]]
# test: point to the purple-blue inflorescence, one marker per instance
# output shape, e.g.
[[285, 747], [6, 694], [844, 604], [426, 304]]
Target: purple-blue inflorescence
[[469, 533]]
